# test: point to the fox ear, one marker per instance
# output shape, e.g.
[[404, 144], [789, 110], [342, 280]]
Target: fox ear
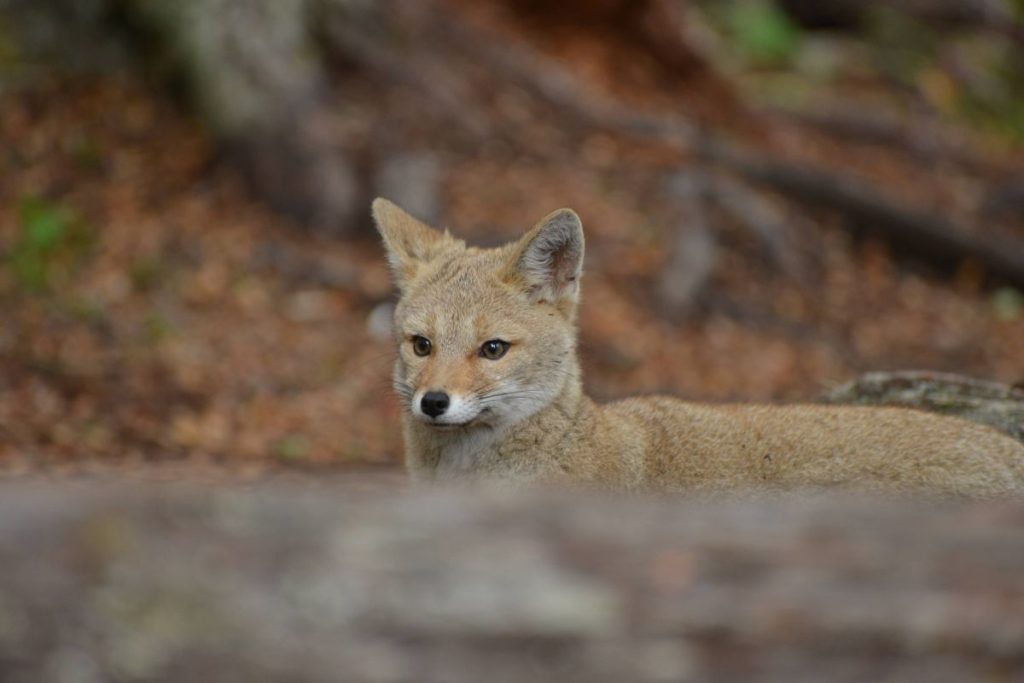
[[409, 242], [548, 260]]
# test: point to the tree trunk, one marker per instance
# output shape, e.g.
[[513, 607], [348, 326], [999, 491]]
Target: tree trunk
[[255, 74]]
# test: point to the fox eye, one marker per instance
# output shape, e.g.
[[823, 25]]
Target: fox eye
[[421, 345], [493, 349]]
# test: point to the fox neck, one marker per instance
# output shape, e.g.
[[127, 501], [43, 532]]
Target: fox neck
[[434, 454]]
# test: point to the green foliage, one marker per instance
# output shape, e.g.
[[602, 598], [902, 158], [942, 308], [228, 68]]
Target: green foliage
[[9, 53], [968, 75], [763, 33], [993, 93], [50, 241], [292, 448], [85, 151], [902, 47], [157, 328], [1008, 304], [1005, 117], [146, 273]]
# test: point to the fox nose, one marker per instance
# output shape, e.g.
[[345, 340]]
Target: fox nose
[[434, 403]]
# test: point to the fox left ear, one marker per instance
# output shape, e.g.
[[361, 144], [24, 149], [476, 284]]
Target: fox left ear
[[549, 259], [409, 242]]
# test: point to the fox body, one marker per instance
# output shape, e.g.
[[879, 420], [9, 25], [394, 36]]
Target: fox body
[[488, 375]]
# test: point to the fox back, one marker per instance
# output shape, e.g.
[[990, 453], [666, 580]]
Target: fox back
[[489, 380]]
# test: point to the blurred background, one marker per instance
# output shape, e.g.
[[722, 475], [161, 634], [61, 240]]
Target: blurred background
[[778, 195]]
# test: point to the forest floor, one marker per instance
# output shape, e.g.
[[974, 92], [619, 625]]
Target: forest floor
[[152, 310]]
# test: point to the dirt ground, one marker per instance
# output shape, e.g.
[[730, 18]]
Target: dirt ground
[[180, 320]]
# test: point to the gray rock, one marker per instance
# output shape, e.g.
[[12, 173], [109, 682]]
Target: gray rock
[[273, 582]]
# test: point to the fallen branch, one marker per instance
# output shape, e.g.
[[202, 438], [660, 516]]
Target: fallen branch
[[694, 250], [759, 218], [1005, 199], [933, 237], [996, 16], [929, 143], [921, 233], [403, 62]]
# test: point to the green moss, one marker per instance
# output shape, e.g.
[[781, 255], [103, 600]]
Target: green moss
[[51, 241]]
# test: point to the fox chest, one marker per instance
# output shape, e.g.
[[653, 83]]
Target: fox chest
[[458, 458]]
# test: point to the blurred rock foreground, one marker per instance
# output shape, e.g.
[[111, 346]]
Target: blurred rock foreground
[[274, 583]]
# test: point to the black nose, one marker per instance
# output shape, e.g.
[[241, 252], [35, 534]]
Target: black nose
[[434, 403]]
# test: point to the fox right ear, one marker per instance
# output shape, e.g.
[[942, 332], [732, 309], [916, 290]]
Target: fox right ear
[[548, 260], [409, 242]]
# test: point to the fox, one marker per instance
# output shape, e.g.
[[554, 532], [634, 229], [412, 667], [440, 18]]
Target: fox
[[490, 386]]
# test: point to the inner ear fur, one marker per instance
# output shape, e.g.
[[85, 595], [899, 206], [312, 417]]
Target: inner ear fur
[[548, 260]]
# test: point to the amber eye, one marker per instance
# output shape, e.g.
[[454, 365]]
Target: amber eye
[[420, 346], [494, 349]]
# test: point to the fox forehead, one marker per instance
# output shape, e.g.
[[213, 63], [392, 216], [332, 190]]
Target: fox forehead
[[463, 295], [477, 313]]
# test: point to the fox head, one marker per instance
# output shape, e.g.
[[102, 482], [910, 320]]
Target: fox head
[[486, 337]]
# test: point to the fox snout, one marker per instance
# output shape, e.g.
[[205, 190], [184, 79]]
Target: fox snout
[[438, 407], [434, 403]]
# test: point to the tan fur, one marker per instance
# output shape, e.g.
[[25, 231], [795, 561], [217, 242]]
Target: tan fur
[[532, 421]]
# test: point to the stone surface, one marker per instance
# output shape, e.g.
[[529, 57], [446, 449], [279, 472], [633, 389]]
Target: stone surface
[[997, 405], [277, 582]]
